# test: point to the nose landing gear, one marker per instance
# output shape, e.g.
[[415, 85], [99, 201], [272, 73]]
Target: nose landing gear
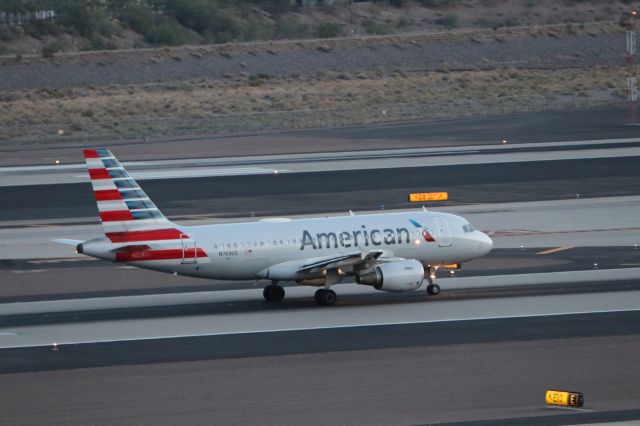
[[433, 288]]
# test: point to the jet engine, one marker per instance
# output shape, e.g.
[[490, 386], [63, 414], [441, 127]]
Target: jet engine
[[399, 275]]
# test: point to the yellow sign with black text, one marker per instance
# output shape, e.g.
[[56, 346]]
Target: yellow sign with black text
[[421, 197], [564, 398]]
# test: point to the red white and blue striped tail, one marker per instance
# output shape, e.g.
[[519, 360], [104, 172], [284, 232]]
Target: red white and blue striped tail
[[126, 212]]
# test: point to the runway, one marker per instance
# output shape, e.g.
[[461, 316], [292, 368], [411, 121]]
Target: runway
[[556, 305]]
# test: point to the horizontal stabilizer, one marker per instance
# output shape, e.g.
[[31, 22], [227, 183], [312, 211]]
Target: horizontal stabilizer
[[67, 241]]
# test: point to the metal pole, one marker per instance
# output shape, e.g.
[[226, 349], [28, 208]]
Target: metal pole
[[632, 80]]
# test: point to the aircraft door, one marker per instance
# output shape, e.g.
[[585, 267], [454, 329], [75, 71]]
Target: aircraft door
[[189, 254], [444, 234]]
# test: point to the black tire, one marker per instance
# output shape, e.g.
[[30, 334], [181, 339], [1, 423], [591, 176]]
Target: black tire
[[433, 289], [325, 297], [273, 293], [278, 293], [266, 293]]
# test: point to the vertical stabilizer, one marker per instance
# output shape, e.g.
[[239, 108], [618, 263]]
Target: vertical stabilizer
[[126, 212]]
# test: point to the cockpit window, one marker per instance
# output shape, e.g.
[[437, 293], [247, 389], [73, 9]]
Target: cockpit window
[[467, 228]]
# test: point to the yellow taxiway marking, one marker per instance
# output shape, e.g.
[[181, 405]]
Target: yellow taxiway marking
[[555, 250]]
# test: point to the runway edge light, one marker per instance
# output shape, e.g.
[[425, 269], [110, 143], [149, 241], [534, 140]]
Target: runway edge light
[[420, 197], [564, 398]]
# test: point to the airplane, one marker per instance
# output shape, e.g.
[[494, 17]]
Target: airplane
[[391, 252]]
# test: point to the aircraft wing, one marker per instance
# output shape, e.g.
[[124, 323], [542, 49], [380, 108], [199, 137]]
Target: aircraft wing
[[339, 261], [314, 266]]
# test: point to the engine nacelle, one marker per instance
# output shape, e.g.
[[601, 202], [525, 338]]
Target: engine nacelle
[[400, 275]]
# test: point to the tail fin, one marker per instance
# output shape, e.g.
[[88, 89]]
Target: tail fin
[[126, 212]]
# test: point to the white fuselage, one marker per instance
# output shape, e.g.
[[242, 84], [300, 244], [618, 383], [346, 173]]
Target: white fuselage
[[245, 251]]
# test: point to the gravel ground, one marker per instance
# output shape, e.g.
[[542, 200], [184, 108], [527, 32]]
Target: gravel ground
[[484, 51], [159, 93]]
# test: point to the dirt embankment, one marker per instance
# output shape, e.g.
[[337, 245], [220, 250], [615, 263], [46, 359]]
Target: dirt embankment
[[256, 86]]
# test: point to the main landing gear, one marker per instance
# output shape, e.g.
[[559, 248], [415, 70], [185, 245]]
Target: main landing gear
[[273, 292], [325, 297], [433, 288]]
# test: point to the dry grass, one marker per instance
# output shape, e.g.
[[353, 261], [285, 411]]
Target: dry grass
[[325, 99]]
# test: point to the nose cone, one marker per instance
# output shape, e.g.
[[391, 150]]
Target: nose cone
[[485, 244]]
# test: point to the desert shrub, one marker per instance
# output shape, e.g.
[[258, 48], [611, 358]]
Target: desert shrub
[[74, 15], [328, 30], [372, 27], [448, 21], [139, 18], [207, 17], [257, 29], [38, 29], [438, 3], [49, 49], [166, 32], [290, 27], [6, 33], [275, 7]]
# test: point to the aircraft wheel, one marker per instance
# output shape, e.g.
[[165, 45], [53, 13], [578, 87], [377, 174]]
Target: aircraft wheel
[[325, 297], [273, 293], [433, 289]]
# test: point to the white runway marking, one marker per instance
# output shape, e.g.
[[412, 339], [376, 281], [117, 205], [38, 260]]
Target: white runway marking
[[197, 172], [334, 161], [423, 311]]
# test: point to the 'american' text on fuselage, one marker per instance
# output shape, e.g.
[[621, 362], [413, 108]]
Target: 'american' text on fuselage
[[358, 238]]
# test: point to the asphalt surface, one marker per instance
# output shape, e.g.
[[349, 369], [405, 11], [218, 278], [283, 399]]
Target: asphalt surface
[[554, 126], [66, 278], [342, 190], [482, 370], [413, 374]]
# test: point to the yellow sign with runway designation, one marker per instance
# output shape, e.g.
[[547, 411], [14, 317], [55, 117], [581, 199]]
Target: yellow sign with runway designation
[[421, 197], [564, 398]]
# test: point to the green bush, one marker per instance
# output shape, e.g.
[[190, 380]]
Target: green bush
[[166, 32], [290, 27], [6, 33], [257, 29], [438, 3], [329, 30], [139, 18], [448, 21], [50, 49], [207, 17], [74, 15], [372, 27]]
